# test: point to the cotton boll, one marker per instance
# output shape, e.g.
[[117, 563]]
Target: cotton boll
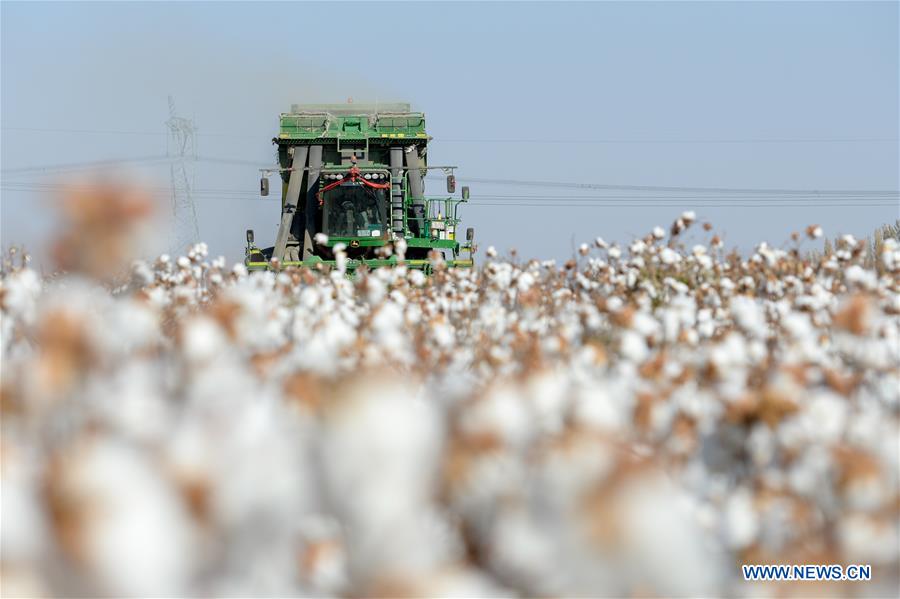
[[202, 340], [525, 281], [378, 452], [669, 256], [866, 540], [665, 547], [633, 347], [133, 532], [741, 522], [748, 316], [417, 278], [504, 413], [605, 406]]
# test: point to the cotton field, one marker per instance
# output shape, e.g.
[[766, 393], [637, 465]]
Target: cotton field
[[639, 420]]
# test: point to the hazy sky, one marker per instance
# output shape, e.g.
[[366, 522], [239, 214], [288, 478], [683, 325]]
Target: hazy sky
[[799, 95]]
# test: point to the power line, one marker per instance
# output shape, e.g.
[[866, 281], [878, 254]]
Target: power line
[[38, 186], [123, 132], [666, 141], [84, 165], [645, 205], [661, 188], [502, 140], [700, 198], [548, 202], [97, 164]]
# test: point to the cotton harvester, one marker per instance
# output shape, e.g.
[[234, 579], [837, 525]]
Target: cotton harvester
[[355, 175]]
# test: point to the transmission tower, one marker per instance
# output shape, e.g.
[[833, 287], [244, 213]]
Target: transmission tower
[[182, 148]]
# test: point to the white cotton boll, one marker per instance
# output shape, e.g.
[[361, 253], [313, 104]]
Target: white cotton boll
[[669, 256], [239, 270], [663, 547], [698, 250], [417, 278], [890, 254], [631, 278], [826, 416], [600, 243], [638, 247], [868, 279], [375, 290], [583, 249], [524, 281], [321, 239], [704, 261], [379, 446], [505, 412], [614, 304], [20, 293], [605, 406], [864, 539], [633, 347], [137, 538], [130, 400], [658, 232], [202, 340], [549, 395], [24, 531], [798, 325], [443, 335], [614, 252], [645, 324], [264, 478], [761, 444], [183, 262], [741, 523], [491, 252], [748, 315], [400, 246], [688, 216], [142, 272]]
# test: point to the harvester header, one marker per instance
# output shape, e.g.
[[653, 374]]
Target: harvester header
[[355, 174]]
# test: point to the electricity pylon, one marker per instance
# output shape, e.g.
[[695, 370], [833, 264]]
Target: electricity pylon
[[183, 151]]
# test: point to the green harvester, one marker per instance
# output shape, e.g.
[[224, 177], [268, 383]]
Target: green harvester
[[354, 175]]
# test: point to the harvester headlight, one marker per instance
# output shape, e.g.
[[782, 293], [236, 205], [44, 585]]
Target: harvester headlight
[[367, 176]]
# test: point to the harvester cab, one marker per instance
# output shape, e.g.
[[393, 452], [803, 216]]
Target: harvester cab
[[355, 175]]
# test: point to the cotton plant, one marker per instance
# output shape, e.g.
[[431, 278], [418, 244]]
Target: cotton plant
[[642, 418]]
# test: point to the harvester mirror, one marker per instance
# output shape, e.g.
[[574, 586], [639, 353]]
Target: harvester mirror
[[250, 236], [264, 186], [465, 192], [470, 234], [451, 184]]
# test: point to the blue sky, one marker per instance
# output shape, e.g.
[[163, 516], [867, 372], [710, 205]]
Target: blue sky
[[800, 95]]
